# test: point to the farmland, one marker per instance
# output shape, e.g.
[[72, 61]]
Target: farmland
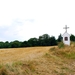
[[38, 61]]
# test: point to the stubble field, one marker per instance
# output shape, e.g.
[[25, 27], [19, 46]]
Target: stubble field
[[38, 61]]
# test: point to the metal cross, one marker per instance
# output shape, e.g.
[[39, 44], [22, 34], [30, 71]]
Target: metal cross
[[66, 27]]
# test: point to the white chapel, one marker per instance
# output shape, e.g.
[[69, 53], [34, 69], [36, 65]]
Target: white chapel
[[66, 36]]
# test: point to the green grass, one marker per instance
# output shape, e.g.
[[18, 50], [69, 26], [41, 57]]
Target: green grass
[[52, 49], [70, 55], [47, 55], [61, 45], [18, 63]]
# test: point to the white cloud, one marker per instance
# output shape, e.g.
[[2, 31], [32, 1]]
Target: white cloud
[[23, 19]]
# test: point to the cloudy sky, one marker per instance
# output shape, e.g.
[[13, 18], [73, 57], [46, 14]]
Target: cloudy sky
[[24, 19]]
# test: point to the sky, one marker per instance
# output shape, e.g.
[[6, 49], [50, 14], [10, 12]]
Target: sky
[[25, 19]]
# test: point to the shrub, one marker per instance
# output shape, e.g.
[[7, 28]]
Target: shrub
[[52, 49], [3, 71], [71, 55], [61, 45]]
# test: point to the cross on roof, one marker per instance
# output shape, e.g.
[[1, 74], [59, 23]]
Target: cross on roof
[[66, 28]]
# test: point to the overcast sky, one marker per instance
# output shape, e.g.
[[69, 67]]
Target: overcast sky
[[25, 19]]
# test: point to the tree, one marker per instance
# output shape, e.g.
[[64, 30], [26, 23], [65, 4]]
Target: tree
[[44, 40], [15, 44], [33, 42], [7, 44], [24, 44], [53, 41], [72, 37], [1, 44], [59, 38]]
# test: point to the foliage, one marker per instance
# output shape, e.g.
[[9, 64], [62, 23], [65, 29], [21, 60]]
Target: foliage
[[44, 40], [33, 42], [24, 44], [7, 45], [1, 44], [52, 49], [15, 44], [70, 55], [59, 38], [53, 41], [72, 37], [61, 45]]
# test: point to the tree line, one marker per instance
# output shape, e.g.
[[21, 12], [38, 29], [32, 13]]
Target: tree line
[[44, 40]]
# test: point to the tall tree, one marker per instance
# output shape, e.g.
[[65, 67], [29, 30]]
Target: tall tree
[[44, 39], [1, 44], [53, 41], [7, 44], [24, 44], [33, 42], [59, 38], [72, 37], [15, 44]]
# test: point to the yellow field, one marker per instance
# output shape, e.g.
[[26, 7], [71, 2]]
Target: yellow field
[[38, 61], [17, 54]]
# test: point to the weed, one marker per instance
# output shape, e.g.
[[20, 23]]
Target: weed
[[55, 71], [3, 71], [31, 66], [70, 55], [1, 66], [15, 64], [47, 55], [65, 69], [62, 74], [52, 49], [72, 44], [61, 45], [27, 71]]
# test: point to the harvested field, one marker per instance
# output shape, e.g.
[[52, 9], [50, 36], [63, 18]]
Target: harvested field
[[38, 61], [17, 54]]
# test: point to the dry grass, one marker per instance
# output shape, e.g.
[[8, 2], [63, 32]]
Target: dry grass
[[17, 54], [38, 61]]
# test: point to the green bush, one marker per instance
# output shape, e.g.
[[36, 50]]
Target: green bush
[[52, 49], [71, 55], [61, 45]]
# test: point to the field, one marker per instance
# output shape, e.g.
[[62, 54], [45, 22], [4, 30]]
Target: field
[[38, 61], [17, 54]]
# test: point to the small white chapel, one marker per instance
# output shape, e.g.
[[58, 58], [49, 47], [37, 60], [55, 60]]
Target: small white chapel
[[66, 36]]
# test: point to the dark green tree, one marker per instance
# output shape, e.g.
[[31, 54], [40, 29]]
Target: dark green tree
[[72, 37], [1, 44], [7, 44], [53, 41], [15, 44], [46, 40], [24, 44], [43, 40], [33, 42], [59, 38]]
